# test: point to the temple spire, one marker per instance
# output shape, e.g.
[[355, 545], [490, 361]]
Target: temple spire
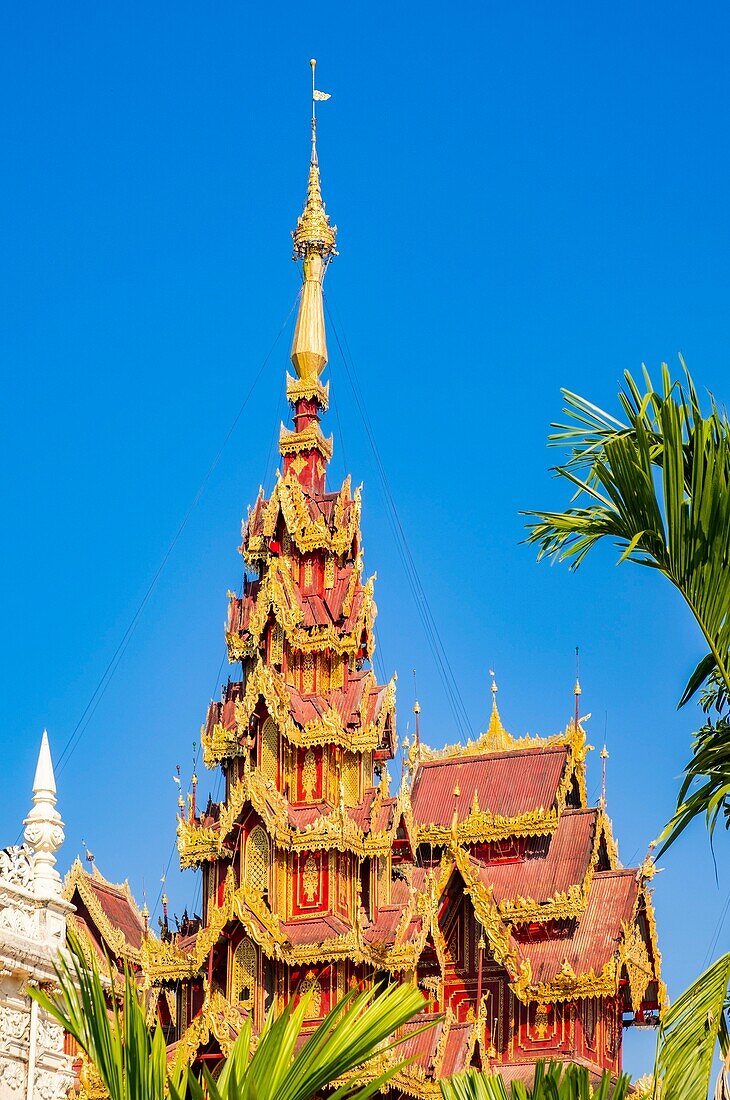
[[314, 244], [305, 449]]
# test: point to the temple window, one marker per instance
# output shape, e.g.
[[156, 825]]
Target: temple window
[[351, 778], [258, 860], [243, 974], [365, 866], [270, 750]]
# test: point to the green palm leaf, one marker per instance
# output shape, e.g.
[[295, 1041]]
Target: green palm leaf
[[658, 485], [554, 1081], [359, 1027], [688, 1035], [131, 1060]]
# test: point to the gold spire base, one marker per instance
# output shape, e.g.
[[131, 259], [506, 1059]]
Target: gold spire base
[[303, 390], [311, 439]]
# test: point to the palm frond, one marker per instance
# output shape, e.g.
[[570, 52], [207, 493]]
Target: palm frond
[[361, 1026], [705, 789], [130, 1059], [688, 1034], [658, 486], [551, 1081]]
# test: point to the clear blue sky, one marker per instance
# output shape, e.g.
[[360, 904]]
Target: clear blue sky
[[529, 196]]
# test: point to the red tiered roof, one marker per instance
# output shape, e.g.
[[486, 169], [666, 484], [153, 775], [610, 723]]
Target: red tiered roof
[[507, 784], [119, 909], [589, 944], [319, 504], [314, 930], [360, 696], [360, 700], [557, 863]]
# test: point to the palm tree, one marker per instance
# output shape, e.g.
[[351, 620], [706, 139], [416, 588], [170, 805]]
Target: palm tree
[[131, 1060], [657, 484]]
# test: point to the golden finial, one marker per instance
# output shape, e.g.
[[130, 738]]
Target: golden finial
[[496, 733], [313, 233], [314, 244]]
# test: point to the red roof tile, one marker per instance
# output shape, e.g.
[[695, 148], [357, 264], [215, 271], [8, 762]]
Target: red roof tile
[[590, 944], [507, 784], [384, 927], [525, 1071], [456, 1051], [122, 914], [421, 1047], [561, 863], [314, 930]]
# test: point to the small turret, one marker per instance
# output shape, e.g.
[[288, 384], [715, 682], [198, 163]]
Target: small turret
[[44, 827]]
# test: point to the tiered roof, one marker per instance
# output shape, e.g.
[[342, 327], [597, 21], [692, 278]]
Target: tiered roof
[[107, 914]]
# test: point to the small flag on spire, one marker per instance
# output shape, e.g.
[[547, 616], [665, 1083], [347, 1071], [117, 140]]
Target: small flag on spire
[[320, 96]]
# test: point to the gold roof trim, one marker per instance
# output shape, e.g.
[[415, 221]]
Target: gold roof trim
[[571, 903], [265, 682], [335, 831], [310, 439], [496, 739], [78, 879], [307, 534], [278, 593], [298, 389]]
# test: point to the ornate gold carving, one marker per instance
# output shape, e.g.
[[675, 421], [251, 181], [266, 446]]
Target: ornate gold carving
[[308, 674], [306, 533], [309, 775], [351, 778], [334, 830], [78, 879], [218, 1020], [638, 966], [265, 682], [307, 390], [312, 988], [277, 644], [310, 878], [278, 593], [309, 439], [313, 233], [541, 1021]]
